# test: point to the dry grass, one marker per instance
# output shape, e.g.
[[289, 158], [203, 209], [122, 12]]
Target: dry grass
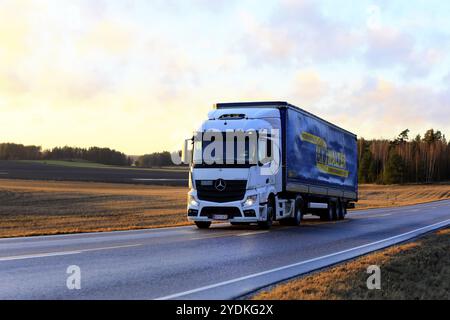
[[49, 207], [416, 270], [377, 196], [29, 207]]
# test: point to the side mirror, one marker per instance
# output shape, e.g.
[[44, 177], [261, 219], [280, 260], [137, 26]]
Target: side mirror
[[186, 152]]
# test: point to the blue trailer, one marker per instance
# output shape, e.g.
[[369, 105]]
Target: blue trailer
[[320, 158], [317, 167]]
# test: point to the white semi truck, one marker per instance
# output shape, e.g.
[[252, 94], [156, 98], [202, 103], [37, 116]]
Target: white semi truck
[[259, 162]]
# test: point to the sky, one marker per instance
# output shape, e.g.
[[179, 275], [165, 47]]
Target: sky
[[140, 76]]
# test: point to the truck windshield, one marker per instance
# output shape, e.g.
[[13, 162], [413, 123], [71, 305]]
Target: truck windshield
[[226, 149]]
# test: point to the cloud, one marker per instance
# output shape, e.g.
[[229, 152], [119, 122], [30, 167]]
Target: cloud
[[69, 57], [299, 32], [422, 62], [373, 20], [373, 107], [388, 47], [383, 108], [446, 80], [308, 87]]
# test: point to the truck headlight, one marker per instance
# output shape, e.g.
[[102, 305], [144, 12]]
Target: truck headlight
[[250, 201], [192, 201]]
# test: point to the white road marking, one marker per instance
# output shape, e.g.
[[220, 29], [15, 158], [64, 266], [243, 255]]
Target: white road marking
[[210, 237], [254, 275], [373, 216], [235, 233], [162, 179], [251, 233], [368, 212], [114, 247], [102, 233], [39, 255], [63, 253]]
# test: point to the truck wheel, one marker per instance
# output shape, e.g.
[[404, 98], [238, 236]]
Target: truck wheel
[[340, 210], [270, 212], [298, 216], [203, 224], [329, 213]]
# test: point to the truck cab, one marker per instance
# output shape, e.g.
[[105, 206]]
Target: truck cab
[[236, 190]]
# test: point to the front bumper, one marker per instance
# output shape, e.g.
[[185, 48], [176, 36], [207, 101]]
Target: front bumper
[[233, 211]]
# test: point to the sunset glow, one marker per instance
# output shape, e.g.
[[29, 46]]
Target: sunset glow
[[139, 76]]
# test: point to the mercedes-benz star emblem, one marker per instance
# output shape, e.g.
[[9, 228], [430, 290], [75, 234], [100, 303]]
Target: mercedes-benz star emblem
[[220, 184]]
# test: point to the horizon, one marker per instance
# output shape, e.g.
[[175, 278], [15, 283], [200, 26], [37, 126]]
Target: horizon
[[411, 138], [139, 77]]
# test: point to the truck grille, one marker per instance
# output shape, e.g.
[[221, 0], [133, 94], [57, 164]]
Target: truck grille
[[231, 212], [234, 190]]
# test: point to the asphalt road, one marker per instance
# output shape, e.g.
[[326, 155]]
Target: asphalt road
[[39, 171], [185, 263]]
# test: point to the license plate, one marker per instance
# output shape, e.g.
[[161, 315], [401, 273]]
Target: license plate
[[220, 217]]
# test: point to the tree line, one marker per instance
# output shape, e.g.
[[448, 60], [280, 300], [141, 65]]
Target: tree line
[[156, 159], [403, 160], [13, 151]]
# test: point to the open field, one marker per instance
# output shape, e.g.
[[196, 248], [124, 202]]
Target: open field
[[414, 270], [29, 207], [52, 207], [77, 164], [88, 164], [92, 172], [379, 196]]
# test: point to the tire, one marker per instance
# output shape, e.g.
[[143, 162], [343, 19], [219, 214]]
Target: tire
[[334, 209], [330, 213], [270, 212], [340, 210], [203, 224], [298, 216]]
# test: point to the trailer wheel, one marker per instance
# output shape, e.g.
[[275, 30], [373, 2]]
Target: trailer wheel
[[203, 224], [330, 213], [270, 213], [340, 210]]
